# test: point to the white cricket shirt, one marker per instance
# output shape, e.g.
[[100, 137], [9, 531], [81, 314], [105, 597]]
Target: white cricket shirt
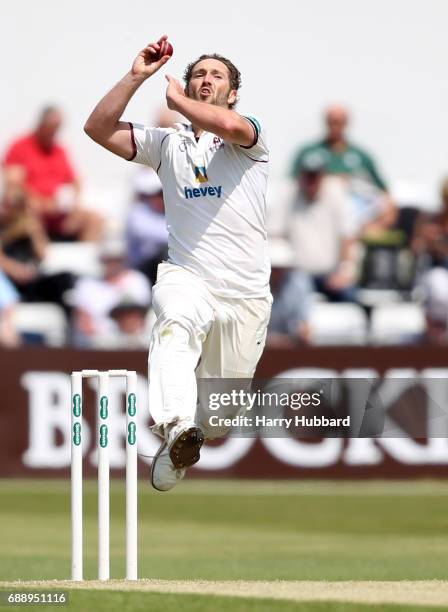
[[215, 202]]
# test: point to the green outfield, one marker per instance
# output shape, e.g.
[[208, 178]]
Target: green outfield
[[240, 531]]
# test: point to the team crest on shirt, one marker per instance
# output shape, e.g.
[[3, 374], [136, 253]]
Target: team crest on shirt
[[200, 174], [216, 144]]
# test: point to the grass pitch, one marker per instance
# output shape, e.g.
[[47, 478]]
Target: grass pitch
[[241, 531]]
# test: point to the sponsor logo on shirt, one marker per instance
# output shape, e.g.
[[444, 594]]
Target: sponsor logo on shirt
[[200, 174], [198, 192]]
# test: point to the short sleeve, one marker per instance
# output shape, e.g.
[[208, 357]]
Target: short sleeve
[[147, 143], [14, 155], [258, 151], [374, 173]]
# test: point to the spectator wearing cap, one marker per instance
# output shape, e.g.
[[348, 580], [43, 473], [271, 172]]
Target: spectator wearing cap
[[337, 154], [146, 232], [430, 240], [39, 165], [322, 232], [111, 310], [129, 316]]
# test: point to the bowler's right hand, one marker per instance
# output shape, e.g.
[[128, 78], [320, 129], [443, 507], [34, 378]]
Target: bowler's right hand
[[145, 64]]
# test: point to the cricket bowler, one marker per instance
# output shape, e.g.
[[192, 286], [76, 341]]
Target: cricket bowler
[[212, 297]]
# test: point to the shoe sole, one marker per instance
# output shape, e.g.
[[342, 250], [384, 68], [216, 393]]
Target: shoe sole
[[156, 456], [185, 450]]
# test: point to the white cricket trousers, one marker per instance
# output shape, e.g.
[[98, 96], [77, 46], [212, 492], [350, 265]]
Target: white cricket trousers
[[198, 335]]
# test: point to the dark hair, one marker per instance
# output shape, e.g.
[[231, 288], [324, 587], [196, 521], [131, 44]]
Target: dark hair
[[47, 110], [234, 73]]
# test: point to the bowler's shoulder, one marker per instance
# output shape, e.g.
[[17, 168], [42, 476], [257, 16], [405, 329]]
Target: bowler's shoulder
[[179, 131], [315, 146]]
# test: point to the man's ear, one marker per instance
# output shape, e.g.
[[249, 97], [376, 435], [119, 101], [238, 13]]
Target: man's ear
[[231, 99]]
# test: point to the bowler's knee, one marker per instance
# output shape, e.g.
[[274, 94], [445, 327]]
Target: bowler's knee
[[173, 332]]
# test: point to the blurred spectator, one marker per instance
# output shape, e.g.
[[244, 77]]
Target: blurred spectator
[[23, 244], [374, 210], [430, 245], [337, 154], [111, 310], [49, 181], [8, 298], [430, 240], [434, 286], [291, 290], [130, 318], [322, 232], [146, 233]]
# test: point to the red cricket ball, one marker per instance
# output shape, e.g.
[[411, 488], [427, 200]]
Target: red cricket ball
[[166, 48]]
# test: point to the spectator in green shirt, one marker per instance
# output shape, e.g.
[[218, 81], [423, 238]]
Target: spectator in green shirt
[[338, 154]]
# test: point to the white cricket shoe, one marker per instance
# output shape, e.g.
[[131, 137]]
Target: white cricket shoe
[[164, 476], [184, 441]]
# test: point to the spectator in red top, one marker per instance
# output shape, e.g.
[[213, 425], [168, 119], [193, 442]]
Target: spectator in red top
[[50, 182]]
